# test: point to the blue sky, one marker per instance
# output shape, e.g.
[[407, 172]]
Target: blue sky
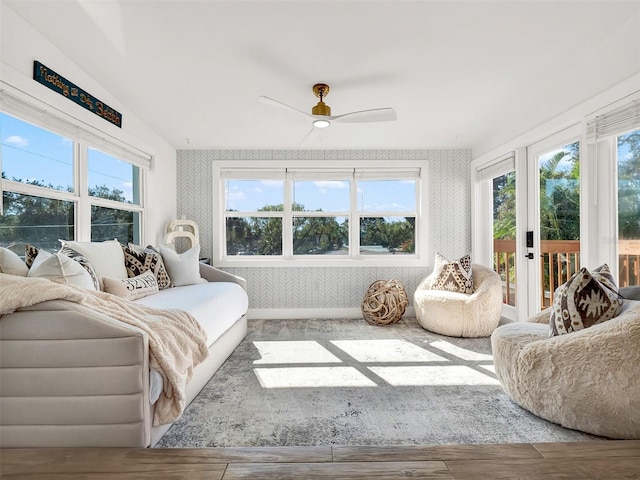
[[328, 195], [32, 153]]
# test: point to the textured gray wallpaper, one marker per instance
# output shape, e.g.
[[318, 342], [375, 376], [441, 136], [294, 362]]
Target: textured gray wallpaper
[[448, 223]]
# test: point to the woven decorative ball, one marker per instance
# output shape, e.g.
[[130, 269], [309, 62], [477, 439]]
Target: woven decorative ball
[[384, 302]]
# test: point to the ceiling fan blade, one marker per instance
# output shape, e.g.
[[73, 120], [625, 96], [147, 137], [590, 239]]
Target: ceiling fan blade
[[276, 103], [374, 115], [313, 134]]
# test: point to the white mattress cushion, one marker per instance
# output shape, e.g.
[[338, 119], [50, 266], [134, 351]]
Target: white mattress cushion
[[215, 305]]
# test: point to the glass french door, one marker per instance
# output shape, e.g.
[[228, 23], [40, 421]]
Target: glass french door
[[553, 233]]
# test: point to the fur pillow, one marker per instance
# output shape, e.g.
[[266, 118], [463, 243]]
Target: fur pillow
[[584, 300], [139, 261], [132, 288], [455, 276]]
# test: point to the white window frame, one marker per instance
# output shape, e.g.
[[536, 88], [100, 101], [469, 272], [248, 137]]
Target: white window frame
[[365, 170], [38, 114]]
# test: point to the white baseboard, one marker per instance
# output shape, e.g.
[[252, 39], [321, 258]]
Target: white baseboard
[[306, 313]]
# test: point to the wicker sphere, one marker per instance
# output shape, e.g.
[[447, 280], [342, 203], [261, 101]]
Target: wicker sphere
[[384, 302]]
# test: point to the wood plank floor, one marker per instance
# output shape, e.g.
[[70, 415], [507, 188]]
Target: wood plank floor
[[610, 460]]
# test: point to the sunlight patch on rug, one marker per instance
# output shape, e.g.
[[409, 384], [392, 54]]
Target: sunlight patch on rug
[[463, 353], [386, 351], [432, 376], [302, 351], [305, 377]]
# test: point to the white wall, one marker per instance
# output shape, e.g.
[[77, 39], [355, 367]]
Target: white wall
[[21, 44], [328, 291]]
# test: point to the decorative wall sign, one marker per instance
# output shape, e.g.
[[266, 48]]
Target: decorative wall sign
[[58, 83]]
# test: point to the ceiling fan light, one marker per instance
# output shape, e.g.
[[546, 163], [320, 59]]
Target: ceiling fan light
[[321, 123]]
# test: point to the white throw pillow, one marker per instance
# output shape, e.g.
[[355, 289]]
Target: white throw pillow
[[61, 269], [106, 257], [132, 288], [183, 268], [11, 263]]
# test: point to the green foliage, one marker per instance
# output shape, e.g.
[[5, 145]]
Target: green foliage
[[560, 196], [504, 207], [314, 235], [629, 186], [41, 221]]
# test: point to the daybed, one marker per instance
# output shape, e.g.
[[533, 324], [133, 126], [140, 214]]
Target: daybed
[[75, 376], [586, 380]]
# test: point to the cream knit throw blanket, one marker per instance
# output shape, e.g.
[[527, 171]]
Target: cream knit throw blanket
[[177, 342]]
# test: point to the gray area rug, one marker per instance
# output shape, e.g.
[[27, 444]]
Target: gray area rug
[[345, 382]]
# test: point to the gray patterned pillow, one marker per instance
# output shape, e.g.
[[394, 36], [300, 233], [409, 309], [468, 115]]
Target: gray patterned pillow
[[584, 300], [138, 262], [456, 276], [82, 260]]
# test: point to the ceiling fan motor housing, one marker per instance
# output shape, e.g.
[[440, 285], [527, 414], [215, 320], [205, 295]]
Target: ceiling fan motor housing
[[321, 90]]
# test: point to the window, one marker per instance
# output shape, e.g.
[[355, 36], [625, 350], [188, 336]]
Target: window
[[340, 213], [58, 184], [614, 140]]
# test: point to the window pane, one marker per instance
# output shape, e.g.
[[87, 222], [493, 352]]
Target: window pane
[[629, 209], [504, 234], [110, 223], [254, 236], [254, 195], [321, 196], [112, 178], [35, 220], [320, 236], [559, 218], [387, 235], [35, 156], [387, 196]]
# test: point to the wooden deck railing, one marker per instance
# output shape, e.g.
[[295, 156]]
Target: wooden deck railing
[[559, 259]]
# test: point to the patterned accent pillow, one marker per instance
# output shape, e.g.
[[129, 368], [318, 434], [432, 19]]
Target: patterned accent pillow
[[456, 276], [82, 260], [132, 288], [138, 262], [30, 254], [584, 300]]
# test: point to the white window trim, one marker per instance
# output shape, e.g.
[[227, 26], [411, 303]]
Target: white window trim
[[378, 169]]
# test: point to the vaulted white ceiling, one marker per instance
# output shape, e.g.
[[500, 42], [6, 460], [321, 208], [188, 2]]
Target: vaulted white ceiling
[[460, 74]]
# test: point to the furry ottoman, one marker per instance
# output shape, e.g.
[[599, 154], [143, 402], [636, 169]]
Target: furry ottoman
[[458, 314], [587, 380]]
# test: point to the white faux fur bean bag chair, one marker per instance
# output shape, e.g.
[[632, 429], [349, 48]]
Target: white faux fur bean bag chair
[[587, 380], [458, 314]]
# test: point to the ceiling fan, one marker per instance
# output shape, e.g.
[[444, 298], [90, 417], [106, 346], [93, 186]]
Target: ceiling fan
[[321, 117]]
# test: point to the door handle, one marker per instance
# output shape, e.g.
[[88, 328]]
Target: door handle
[[529, 256]]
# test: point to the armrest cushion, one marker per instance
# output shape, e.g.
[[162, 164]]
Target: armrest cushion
[[77, 371], [213, 274]]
